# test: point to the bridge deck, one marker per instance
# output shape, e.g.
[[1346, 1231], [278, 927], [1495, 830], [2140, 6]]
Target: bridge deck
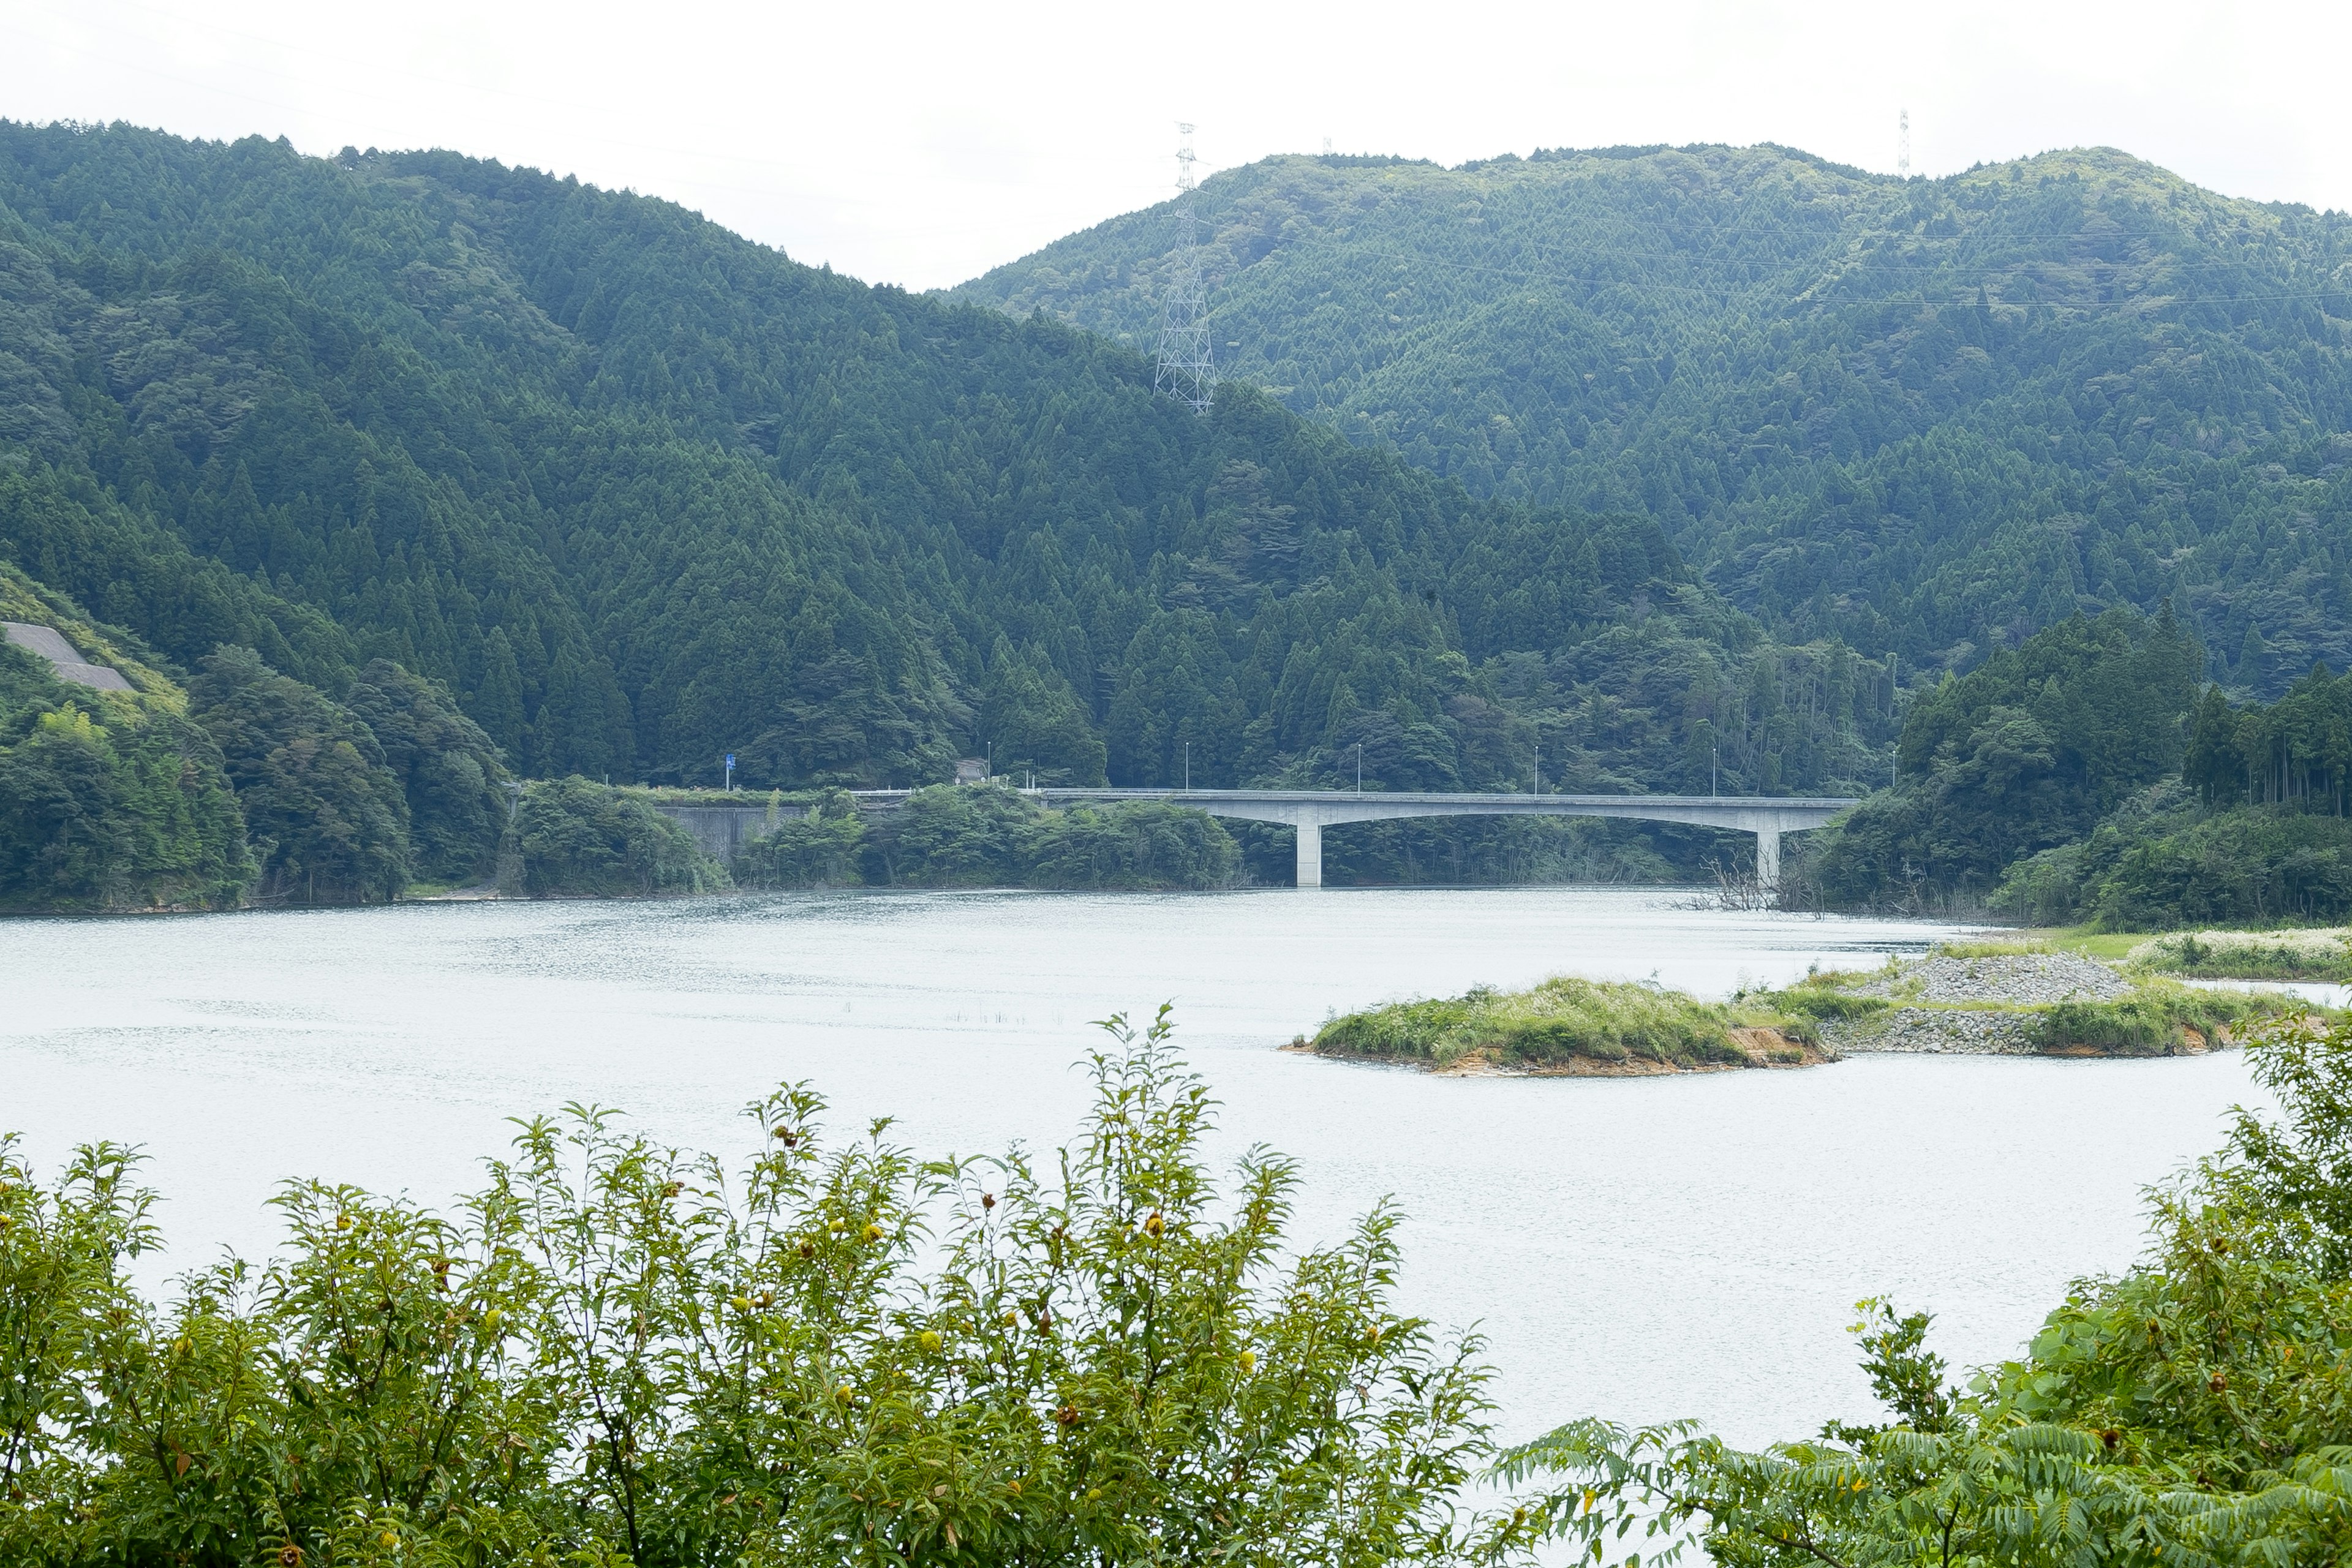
[[1310, 811]]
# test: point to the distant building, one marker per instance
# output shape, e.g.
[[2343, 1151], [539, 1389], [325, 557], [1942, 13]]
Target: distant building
[[64, 656], [971, 770]]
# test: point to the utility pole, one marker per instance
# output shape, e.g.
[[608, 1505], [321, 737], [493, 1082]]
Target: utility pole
[[1540, 767], [727, 780], [1185, 367], [1714, 772], [1188, 767], [1360, 767]]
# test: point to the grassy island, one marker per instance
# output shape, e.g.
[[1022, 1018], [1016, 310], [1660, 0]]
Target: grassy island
[[1569, 1025]]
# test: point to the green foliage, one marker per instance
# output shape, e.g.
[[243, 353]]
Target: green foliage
[[948, 836], [2189, 1410], [639, 494], [1922, 416], [108, 800], [328, 819], [2251, 864], [1563, 1020], [2025, 753], [450, 771], [2149, 1020], [1829, 993], [576, 839], [2163, 862], [819, 849], [1134, 845], [2264, 838], [2322, 954], [1906, 1377], [1033, 726], [835, 1353], [2294, 751]]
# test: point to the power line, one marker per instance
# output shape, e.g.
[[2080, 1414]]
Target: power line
[[1186, 367]]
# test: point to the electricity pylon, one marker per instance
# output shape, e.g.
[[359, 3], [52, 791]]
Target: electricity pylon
[[1185, 367]]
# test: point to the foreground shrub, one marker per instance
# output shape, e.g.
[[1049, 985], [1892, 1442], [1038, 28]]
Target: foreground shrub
[[618, 1353], [2193, 1410]]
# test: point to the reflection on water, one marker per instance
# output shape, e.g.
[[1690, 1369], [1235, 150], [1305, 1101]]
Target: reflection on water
[[1641, 1248]]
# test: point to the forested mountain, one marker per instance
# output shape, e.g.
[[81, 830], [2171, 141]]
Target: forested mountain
[[639, 492], [1927, 416]]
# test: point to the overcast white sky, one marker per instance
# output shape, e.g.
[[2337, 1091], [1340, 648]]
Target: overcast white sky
[[921, 144]]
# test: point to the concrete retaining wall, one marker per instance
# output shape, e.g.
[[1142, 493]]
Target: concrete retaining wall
[[723, 829]]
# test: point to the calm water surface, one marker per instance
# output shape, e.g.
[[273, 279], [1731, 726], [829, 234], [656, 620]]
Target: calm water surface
[[1639, 1249]]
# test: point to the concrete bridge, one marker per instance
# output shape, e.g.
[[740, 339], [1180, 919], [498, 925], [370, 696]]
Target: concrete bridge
[[720, 828], [1312, 811]]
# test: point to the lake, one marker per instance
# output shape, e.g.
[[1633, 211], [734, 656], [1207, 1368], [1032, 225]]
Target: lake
[[1640, 1248]]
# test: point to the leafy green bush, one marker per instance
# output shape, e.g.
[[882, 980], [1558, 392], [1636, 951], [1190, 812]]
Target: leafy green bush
[[619, 1353], [2189, 1410], [819, 849], [579, 839], [1564, 1018]]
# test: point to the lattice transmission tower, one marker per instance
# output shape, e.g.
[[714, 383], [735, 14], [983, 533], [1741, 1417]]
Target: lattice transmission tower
[[1903, 151], [1186, 368]]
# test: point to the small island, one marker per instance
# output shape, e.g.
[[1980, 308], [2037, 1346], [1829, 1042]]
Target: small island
[[1572, 1027], [2019, 998]]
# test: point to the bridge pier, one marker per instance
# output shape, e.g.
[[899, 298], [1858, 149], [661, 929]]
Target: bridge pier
[[1310, 853], [1768, 860]]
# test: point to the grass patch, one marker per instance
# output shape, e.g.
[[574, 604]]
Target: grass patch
[[2314, 954], [1827, 994], [1564, 1019], [2109, 945], [2149, 1021]]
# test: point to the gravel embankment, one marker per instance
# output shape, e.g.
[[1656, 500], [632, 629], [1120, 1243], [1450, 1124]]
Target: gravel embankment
[[1920, 1031], [2028, 980]]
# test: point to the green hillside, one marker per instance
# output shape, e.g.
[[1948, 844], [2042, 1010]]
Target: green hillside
[[640, 492], [110, 801], [1927, 416]]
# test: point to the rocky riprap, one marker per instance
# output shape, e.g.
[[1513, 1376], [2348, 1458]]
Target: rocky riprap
[[1934, 1031], [2015, 981], [2019, 979]]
